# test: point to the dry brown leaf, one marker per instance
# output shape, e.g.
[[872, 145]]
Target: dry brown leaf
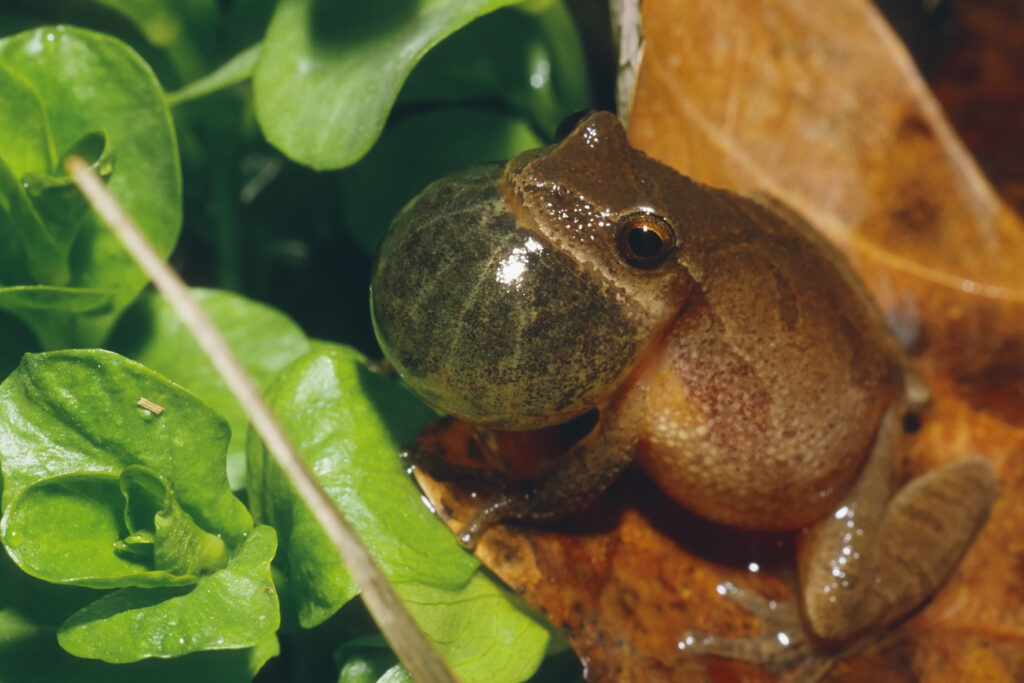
[[819, 105]]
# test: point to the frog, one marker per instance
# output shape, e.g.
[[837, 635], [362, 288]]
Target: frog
[[716, 340]]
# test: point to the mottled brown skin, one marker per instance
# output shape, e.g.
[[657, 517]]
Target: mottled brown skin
[[748, 373]]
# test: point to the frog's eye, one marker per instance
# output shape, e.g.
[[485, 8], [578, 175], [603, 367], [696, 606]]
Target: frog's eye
[[645, 240]]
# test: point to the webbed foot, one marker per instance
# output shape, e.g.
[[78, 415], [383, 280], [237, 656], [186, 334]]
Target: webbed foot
[[783, 647]]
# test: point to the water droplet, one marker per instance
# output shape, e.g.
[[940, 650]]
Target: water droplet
[[13, 539]]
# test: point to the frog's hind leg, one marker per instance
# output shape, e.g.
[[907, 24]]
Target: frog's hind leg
[[865, 566], [881, 555]]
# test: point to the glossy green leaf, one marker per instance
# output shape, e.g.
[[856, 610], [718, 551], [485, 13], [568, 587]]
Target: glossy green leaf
[[364, 660], [32, 610], [480, 636], [72, 412], [235, 607], [263, 338], [72, 85], [396, 674], [66, 529], [349, 424], [479, 629], [29, 653], [74, 443], [153, 516], [330, 71], [440, 141]]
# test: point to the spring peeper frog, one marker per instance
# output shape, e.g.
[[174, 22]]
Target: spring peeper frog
[[724, 345]]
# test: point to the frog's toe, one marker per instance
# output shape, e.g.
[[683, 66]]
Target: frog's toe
[[783, 645], [494, 510]]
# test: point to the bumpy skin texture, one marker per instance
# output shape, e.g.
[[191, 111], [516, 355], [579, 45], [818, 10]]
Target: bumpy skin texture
[[772, 382], [767, 369], [746, 369]]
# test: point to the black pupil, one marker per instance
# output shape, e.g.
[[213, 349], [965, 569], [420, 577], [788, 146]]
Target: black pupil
[[644, 243]]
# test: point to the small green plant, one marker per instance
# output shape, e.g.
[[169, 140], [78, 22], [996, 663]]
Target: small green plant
[[267, 146]]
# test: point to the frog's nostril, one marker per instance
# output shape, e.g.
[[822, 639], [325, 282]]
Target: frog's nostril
[[569, 123]]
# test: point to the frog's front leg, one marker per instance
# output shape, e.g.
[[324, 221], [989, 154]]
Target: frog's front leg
[[882, 554], [568, 484]]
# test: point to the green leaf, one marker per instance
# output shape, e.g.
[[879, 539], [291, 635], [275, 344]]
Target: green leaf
[[26, 146], [31, 610], [65, 530], [349, 423], [364, 660], [32, 253], [528, 57], [29, 653], [396, 674], [235, 607], [479, 629], [330, 71], [263, 338], [73, 85], [76, 412], [47, 311], [94, 147], [34, 299], [154, 518], [441, 141], [44, 212]]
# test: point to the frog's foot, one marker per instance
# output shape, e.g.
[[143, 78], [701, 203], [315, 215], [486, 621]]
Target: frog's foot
[[500, 507], [502, 497], [783, 646]]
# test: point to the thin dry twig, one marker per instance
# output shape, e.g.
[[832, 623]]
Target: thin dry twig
[[418, 655], [628, 35]]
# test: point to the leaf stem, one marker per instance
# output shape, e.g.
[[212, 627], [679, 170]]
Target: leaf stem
[[418, 655], [234, 71]]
